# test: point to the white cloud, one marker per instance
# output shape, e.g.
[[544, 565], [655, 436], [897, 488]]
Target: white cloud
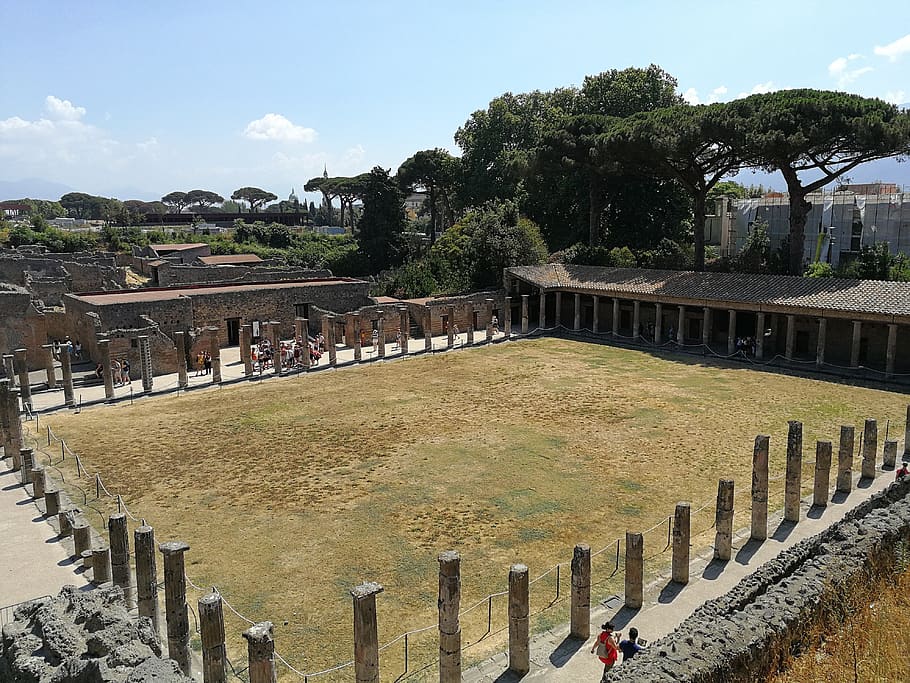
[[691, 96], [760, 88], [717, 95], [278, 127], [896, 97], [354, 155], [839, 70], [62, 110], [894, 50]]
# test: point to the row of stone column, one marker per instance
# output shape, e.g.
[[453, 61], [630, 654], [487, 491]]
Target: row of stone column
[[707, 330], [16, 368]]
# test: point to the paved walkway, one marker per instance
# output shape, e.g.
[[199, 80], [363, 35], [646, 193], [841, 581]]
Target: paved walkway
[[555, 657], [33, 562]]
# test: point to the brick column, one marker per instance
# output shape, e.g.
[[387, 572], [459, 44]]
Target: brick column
[[907, 435], [489, 311], [428, 329], [183, 379], [49, 365], [507, 317], [104, 350], [519, 609], [66, 371], [580, 620], [793, 479], [449, 626], [178, 624], [845, 459], [358, 348], [25, 387], [299, 328], [246, 344], [854, 347], [145, 363], [681, 534], [450, 327], [380, 327], [470, 333], [366, 638], [760, 488], [404, 329], [524, 313], [330, 340], [889, 454], [215, 352]]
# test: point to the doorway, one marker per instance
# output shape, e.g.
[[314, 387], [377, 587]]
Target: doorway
[[233, 331]]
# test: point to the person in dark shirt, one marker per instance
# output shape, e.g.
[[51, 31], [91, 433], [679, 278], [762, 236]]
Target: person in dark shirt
[[630, 646]]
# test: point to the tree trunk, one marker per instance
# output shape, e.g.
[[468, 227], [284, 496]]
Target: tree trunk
[[799, 214], [431, 192], [699, 229], [596, 207]]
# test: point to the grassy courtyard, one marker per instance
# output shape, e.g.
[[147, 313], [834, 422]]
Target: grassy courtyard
[[291, 492]]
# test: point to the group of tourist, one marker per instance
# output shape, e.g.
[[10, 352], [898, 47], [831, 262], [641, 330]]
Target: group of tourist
[[289, 354], [610, 643], [203, 363], [120, 371]]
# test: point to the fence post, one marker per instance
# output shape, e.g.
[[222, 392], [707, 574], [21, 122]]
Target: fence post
[[681, 530], [822, 473], [366, 636], [793, 481], [760, 488], [178, 622], [870, 446], [845, 459], [723, 520], [519, 608], [449, 626], [635, 569], [211, 627], [581, 592], [146, 574], [119, 539], [261, 653]]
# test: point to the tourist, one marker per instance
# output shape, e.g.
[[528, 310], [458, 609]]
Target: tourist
[[494, 323], [902, 472], [200, 363], [116, 374], [605, 648], [99, 371], [125, 372], [630, 646], [77, 350], [207, 362]]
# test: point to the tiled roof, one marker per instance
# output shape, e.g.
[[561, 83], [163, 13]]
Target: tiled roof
[[177, 246], [879, 298], [229, 259]]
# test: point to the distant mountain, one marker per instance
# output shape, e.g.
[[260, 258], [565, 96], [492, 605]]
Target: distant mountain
[[33, 188], [884, 170]]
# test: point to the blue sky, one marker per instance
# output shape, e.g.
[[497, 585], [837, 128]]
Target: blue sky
[[138, 99]]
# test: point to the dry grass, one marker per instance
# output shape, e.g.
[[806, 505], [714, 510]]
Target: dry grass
[[291, 492], [871, 647]]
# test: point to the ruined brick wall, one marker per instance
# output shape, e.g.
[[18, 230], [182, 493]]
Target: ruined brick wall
[[465, 306], [21, 324], [80, 272], [748, 633], [170, 274]]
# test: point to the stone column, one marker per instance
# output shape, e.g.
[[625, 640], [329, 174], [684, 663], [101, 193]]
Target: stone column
[[791, 333], [66, 371], [275, 329], [822, 473], [325, 329], [542, 322], [820, 347], [146, 574], [558, 321], [889, 454], [450, 327], [723, 521], [10, 370], [38, 478], [635, 570], [658, 323], [615, 321], [216, 355], [261, 654], [358, 348], [759, 336], [145, 363], [26, 462], [891, 350], [507, 317], [595, 322], [524, 313], [870, 446], [65, 522], [246, 343], [101, 565], [119, 539], [731, 332], [706, 330], [404, 329], [580, 621], [178, 625], [51, 502], [681, 532], [380, 327], [793, 479], [845, 460], [183, 380], [489, 312], [907, 435], [49, 365], [211, 629], [760, 488], [428, 329], [366, 638], [576, 322], [82, 538], [636, 319], [519, 609], [854, 347], [13, 427], [330, 340], [681, 326], [449, 626], [298, 328], [25, 387]]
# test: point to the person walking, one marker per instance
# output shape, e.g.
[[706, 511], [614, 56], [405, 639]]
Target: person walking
[[605, 648], [630, 647]]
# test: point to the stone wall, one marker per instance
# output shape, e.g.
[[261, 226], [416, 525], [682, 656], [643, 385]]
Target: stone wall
[[21, 324], [464, 311], [85, 637], [170, 274], [78, 272], [749, 633]]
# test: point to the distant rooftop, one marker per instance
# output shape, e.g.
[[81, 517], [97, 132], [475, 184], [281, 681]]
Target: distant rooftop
[[229, 259], [177, 247]]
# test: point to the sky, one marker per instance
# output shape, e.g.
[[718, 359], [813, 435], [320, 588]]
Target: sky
[[138, 99]]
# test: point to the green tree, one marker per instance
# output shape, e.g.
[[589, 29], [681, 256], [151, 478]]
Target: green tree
[[628, 91], [326, 186], [728, 188], [82, 205], [434, 171], [202, 199], [253, 196], [383, 220], [176, 200], [817, 133]]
